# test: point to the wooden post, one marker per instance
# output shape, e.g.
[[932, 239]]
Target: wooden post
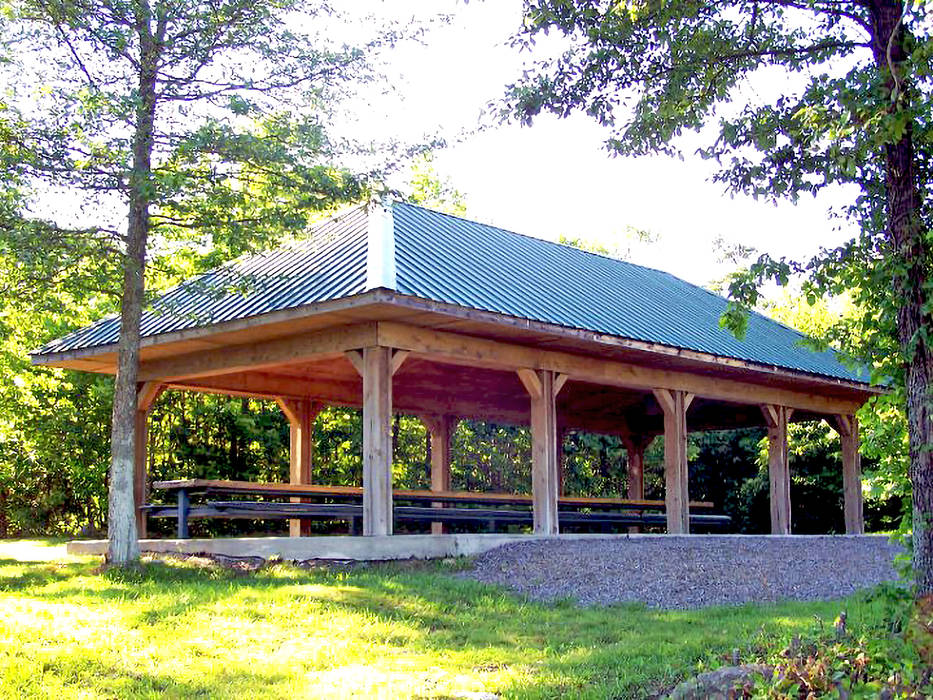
[[561, 463], [301, 414], [778, 468], [440, 429], [377, 440], [542, 387], [635, 447], [674, 404], [847, 427], [146, 395]]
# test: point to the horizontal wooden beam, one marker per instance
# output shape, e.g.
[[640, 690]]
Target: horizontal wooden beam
[[472, 351], [349, 393], [269, 353]]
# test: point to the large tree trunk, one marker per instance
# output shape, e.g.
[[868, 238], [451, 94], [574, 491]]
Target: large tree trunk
[[121, 521], [905, 235]]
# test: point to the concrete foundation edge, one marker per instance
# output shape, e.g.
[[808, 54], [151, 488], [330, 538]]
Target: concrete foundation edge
[[378, 548]]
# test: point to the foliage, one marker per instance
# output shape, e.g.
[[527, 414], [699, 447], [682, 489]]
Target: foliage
[[888, 658], [789, 99], [181, 629]]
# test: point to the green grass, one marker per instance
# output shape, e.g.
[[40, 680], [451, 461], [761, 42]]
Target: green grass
[[177, 630]]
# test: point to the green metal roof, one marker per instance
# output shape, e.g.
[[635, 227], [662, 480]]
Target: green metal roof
[[448, 259]]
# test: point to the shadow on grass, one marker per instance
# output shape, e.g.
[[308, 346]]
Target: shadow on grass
[[112, 679], [466, 627]]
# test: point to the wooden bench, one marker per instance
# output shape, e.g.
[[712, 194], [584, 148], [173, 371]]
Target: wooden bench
[[427, 506]]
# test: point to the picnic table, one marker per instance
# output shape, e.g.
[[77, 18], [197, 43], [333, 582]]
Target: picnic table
[[318, 502]]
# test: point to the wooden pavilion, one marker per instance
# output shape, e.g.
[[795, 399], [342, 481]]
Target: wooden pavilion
[[396, 308]]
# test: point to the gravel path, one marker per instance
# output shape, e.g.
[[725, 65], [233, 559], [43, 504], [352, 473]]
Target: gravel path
[[689, 572]]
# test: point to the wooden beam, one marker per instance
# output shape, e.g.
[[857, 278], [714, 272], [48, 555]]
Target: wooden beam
[[377, 441], [544, 463], [531, 382], [674, 403], [778, 468], [847, 427], [343, 393], [479, 352], [269, 353]]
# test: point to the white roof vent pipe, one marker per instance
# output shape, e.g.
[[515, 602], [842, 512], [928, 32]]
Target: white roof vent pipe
[[380, 245]]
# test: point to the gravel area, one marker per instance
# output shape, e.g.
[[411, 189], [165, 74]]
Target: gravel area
[[689, 572]]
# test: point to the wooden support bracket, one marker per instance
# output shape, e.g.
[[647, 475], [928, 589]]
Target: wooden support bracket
[[148, 394], [559, 381], [356, 359], [532, 383], [398, 359]]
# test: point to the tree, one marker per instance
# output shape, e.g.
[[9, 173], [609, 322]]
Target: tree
[[197, 121], [853, 106]]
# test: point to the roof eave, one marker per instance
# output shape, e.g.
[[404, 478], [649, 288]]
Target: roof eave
[[388, 296]]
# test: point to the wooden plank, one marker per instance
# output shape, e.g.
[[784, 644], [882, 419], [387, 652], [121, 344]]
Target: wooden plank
[[265, 489], [778, 468], [377, 441], [472, 351], [544, 464], [847, 427], [676, 472], [270, 353]]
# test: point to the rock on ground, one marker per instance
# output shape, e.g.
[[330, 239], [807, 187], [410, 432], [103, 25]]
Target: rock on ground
[[690, 572]]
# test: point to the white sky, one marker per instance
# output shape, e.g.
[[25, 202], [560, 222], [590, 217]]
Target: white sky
[[555, 177]]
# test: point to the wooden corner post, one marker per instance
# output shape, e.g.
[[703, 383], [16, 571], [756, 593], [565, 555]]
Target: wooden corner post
[[376, 365], [674, 403], [301, 414], [440, 429], [542, 387], [146, 395], [847, 427], [778, 468]]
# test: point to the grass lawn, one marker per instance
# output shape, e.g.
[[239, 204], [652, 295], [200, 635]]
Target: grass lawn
[[382, 631]]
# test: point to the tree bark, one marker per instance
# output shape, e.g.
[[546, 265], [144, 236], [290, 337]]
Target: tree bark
[[904, 234], [121, 522]]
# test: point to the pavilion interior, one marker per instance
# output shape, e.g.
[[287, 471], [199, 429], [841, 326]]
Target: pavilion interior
[[424, 386]]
